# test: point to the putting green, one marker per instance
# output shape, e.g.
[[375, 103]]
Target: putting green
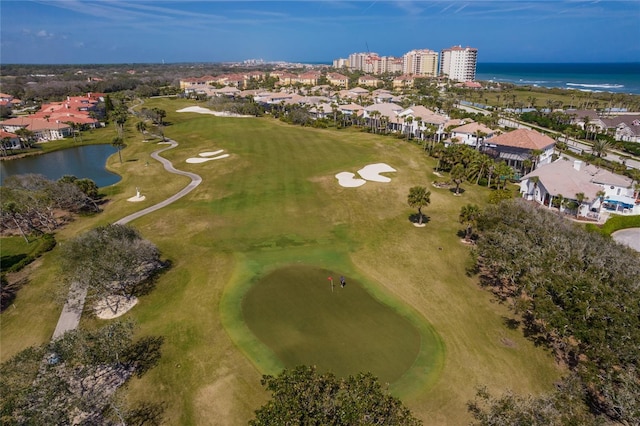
[[296, 314]]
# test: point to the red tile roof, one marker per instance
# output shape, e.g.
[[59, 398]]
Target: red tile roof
[[523, 138]]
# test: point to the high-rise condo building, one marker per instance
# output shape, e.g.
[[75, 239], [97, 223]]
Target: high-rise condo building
[[458, 63], [422, 62]]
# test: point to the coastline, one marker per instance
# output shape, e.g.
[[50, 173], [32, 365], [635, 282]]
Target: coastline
[[616, 77]]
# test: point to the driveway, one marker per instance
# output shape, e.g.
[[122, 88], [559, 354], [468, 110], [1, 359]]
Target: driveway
[[629, 237]]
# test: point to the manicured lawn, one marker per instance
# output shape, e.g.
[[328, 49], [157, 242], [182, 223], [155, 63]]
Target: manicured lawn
[[304, 319], [274, 203]]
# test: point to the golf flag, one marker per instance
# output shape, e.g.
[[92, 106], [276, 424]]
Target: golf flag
[[330, 278]]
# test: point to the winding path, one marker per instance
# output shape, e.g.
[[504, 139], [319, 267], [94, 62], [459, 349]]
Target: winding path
[[72, 309]]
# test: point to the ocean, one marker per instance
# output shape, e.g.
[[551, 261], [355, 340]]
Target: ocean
[[588, 77]]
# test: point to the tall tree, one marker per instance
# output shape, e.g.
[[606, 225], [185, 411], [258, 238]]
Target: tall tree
[[458, 175], [468, 216], [110, 260], [118, 143], [302, 396], [418, 198]]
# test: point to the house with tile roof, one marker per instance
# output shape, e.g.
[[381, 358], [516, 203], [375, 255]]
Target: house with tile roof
[[593, 190], [520, 145], [473, 134], [624, 127], [403, 81], [337, 79], [423, 121], [9, 141], [43, 129], [369, 81]]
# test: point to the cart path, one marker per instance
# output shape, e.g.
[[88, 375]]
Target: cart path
[[73, 307]]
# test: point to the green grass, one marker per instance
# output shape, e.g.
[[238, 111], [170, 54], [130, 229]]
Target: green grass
[[616, 223], [297, 314], [275, 202]]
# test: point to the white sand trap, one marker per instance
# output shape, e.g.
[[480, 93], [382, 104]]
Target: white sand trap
[[201, 110], [204, 160], [346, 179], [114, 306], [372, 172], [210, 153], [136, 198]]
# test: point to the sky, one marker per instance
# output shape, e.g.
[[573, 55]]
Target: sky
[[153, 31]]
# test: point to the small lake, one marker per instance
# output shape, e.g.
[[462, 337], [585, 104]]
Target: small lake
[[86, 161]]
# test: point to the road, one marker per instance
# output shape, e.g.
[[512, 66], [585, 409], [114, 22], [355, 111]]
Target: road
[[72, 309]]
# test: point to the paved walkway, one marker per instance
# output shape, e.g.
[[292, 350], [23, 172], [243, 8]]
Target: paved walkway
[[72, 309]]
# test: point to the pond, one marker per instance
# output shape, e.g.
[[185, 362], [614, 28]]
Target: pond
[[87, 161]]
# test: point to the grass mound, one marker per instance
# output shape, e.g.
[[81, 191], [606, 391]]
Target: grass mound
[[295, 312]]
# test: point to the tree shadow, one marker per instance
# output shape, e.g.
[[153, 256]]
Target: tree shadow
[[144, 354], [415, 218], [8, 261], [147, 285], [145, 413], [460, 190], [511, 323]]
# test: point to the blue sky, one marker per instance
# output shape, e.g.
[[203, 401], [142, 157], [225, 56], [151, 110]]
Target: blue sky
[[136, 31]]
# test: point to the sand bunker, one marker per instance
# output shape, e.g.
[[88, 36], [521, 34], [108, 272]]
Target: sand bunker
[[347, 180], [201, 110], [114, 306], [210, 153], [136, 198], [207, 156], [370, 172], [202, 160]]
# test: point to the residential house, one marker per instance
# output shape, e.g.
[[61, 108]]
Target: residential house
[[43, 129], [10, 141], [308, 78], [339, 80], [593, 190], [423, 122], [473, 134], [403, 82], [369, 81], [520, 146], [383, 116], [624, 127]]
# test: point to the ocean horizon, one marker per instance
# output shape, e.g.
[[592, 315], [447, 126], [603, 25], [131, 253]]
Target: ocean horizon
[[587, 77]]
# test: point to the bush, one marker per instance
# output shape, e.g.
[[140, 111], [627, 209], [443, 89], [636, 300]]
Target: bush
[[47, 243]]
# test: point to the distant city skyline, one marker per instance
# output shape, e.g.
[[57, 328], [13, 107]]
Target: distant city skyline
[[145, 31]]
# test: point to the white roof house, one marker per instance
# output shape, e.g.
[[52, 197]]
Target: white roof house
[[602, 189]]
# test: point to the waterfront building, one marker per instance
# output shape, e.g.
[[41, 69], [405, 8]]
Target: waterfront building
[[458, 63], [420, 62]]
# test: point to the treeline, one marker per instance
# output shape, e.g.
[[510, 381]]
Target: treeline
[[74, 379], [574, 291], [31, 204]]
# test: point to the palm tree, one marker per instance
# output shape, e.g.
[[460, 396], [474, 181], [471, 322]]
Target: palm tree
[[458, 175], [580, 198], [73, 126], [141, 126], [468, 216], [600, 147], [408, 121], [504, 172], [26, 137], [419, 197], [118, 142]]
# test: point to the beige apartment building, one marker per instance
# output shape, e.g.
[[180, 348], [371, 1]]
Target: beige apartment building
[[420, 62]]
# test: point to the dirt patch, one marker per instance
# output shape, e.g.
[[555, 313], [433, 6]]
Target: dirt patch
[[508, 342]]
